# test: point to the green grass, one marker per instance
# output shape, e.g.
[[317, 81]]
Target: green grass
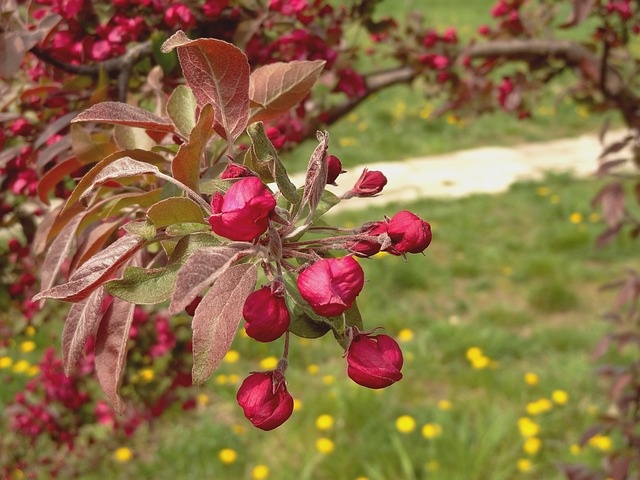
[[520, 291]]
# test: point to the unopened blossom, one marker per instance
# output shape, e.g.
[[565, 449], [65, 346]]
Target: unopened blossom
[[334, 168], [265, 400], [367, 247], [408, 233], [331, 285], [243, 212], [370, 183], [374, 361], [266, 315]]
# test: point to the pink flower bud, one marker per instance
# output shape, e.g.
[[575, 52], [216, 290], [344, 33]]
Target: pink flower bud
[[369, 184], [265, 400], [235, 170], [243, 212], [367, 248], [266, 315], [408, 233], [334, 169], [331, 285], [374, 361]]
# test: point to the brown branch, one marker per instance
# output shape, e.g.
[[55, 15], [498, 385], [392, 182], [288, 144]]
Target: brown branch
[[113, 65]]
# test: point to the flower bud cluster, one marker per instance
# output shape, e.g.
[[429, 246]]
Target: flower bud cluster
[[306, 280]]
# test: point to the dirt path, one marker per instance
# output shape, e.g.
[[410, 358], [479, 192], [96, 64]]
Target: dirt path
[[479, 170]]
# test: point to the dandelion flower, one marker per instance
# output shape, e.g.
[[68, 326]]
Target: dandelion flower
[[123, 454], [431, 430], [232, 356], [324, 445], [524, 465], [260, 472], [405, 335], [6, 362], [27, 346], [328, 379], [324, 422], [21, 366], [601, 442], [202, 399], [532, 445], [527, 427], [405, 424], [575, 218], [531, 379], [313, 369], [227, 456], [560, 397], [444, 404], [268, 363], [146, 374]]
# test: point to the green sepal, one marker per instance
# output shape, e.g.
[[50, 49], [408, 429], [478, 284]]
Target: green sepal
[[305, 322]]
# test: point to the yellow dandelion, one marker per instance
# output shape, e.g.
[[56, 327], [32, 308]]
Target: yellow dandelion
[[27, 346], [527, 427], [363, 126], [232, 356], [202, 399], [575, 218], [405, 335], [431, 430], [324, 422], [328, 379], [426, 111], [473, 352], [313, 369], [123, 454], [243, 333], [234, 378], [560, 397], [482, 362], [524, 465], [539, 406], [405, 424], [146, 374], [21, 366], [324, 445], [33, 370], [532, 445], [575, 449], [543, 191], [260, 472], [555, 199], [222, 379], [601, 442], [268, 363], [452, 119], [594, 217], [362, 478], [507, 271], [531, 379], [297, 404], [303, 341], [353, 118], [444, 404], [30, 331], [227, 456], [238, 429], [6, 362]]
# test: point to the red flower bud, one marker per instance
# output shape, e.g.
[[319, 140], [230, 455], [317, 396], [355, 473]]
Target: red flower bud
[[374, 361], [369, 184], [331, 285], [408, 233], [265, 400], [367, 248], [266, 315], [334, 169], [235, 170], [243, 212]]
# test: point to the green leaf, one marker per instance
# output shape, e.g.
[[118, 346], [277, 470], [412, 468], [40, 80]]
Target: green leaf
[[175, 210], [182, 109], [143, 200], [131, 137], [143, 228], [182, 229], [144, 286], [212, 186], [264, 159], [168, 61], [186, 164]]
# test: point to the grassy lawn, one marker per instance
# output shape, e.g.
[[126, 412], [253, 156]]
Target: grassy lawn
[[514, 275]]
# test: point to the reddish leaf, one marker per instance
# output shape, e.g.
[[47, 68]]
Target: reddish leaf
[[278, 87], [124, 114], [55, 176], [111, 348], [60, 148], [185, 166], [95, 271], [217, 318], [93, 242], [218, 73], [60, 124], [200, 272], [79, 326], [316, 179], [121, 168], [89, 178], [86, 149], [58, 253], [612, 199]]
